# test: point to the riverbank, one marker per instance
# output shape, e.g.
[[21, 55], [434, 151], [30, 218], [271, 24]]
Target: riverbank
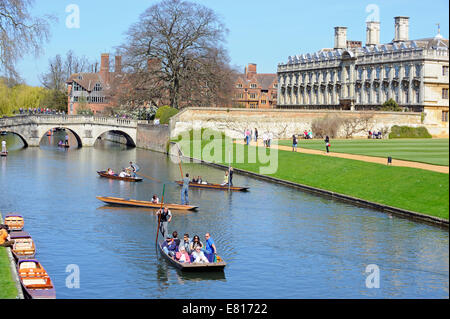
[[408, 189], [8, 286]]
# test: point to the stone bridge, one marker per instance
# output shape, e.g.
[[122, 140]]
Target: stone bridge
[[87, 129]]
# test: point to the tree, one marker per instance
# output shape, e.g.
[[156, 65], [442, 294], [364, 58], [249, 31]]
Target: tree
[[20, 34], [177, 46], [391, 105], [357, 124]]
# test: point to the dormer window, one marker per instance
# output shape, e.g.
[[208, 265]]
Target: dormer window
[[253, 86], [239, 85]]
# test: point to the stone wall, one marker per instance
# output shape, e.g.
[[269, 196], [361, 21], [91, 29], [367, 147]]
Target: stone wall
[[282, 123], [153, 137]]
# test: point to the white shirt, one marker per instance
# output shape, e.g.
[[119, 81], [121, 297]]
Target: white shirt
[[122, 174]]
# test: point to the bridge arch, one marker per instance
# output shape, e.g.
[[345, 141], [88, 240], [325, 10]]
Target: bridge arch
[[74, 132], [22, 138], [129, 139]]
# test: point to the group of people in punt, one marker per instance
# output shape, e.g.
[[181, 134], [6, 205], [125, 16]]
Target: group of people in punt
[[189, 250], [186, 250], [130, 171]]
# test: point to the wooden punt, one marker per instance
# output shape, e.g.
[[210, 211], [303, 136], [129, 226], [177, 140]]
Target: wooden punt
[[127, 179], [194, 267], [141, 203], [4, 154], [35, 280], [64, 146], [215, 186], [14, 222], [23, 247]]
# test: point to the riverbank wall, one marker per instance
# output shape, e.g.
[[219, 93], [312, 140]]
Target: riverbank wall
[[153, 137], [175, 150], [284, 123]]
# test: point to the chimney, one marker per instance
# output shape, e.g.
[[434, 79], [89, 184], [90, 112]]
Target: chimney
[[401, 29], [118, 65], [373, 33], [104, 67], [250, 69], [340, 37]]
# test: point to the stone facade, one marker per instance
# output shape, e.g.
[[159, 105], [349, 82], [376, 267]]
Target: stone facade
[[282, 123], [153, 137], [412, 72]]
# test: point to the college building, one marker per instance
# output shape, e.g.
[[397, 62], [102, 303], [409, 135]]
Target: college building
[[350, 76], [253, 90]]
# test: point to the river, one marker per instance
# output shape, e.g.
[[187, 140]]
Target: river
[[278, 242]]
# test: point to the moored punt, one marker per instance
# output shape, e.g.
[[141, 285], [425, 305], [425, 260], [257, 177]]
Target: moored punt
[[219, 265], [23, 245], [141, 203], [14, 222], [4, 154], [215, 186], [115, 176], [35, 280]]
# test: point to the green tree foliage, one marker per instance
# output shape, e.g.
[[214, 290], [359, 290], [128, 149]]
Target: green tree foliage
[[164, 114], [391, 106], [12, 98]]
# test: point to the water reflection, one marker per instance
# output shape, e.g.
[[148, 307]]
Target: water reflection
[[278, 242]]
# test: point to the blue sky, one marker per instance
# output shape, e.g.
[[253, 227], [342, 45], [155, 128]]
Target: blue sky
[[260, 31]]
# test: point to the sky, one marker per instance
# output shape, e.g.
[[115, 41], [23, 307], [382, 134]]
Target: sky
[[260, 31]]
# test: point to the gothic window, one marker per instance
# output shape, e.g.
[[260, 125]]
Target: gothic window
[[407, 70], [339, 75], [387, 70], [369, 73], [397, 71], [418, 70], [360, 72], [378, 71], [445, 70], [445, 94]]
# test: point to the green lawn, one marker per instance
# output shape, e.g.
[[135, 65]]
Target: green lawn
[[431, 151], [8, 289], [408, 188]]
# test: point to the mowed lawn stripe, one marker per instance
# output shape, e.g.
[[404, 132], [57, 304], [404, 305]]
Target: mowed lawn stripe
[[431, 151]]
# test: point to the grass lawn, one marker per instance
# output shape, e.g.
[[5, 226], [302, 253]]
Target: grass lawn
[[8, 289], [408, 188], [431, 151]]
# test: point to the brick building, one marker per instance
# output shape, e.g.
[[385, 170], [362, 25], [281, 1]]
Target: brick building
[[253, 90]]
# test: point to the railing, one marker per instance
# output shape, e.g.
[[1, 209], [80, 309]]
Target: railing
[[66, 119]]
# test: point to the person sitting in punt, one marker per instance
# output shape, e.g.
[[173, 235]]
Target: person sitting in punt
[[169, 246], [155, 199], [182, 256], [175, 238], [199, 180], [123, 173], [60, 143], [195, 243], [110, 171], [194, 180], [198, 256], [225, 179], [186, 243]]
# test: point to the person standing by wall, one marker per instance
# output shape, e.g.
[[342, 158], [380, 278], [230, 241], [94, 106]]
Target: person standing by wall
[[294, 143], [327, 143], [185, 191]]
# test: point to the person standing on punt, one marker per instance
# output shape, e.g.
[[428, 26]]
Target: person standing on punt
[[210, 247], [230, 176], [185, 191], [66, 140], [3, 146], [166, 217]]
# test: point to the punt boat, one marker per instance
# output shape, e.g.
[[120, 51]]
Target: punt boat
[[141, 203], [23, 247], [219, 265], [215, 186], [4, 154], [14, 222], [35, 280], [115, 176]]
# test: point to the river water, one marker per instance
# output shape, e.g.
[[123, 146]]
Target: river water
[[278, 242]]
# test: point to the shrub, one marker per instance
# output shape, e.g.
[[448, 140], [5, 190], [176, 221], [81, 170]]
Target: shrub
[[409, 132], [164, 113], [328, 125], [391, 105]]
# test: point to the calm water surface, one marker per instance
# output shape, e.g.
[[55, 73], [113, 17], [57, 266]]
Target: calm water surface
[[278, 241]]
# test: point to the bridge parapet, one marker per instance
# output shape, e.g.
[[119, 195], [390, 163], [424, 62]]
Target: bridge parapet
[[66, 119]]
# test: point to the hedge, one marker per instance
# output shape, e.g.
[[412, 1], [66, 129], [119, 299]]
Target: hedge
[[164, 113], [409, 132]]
